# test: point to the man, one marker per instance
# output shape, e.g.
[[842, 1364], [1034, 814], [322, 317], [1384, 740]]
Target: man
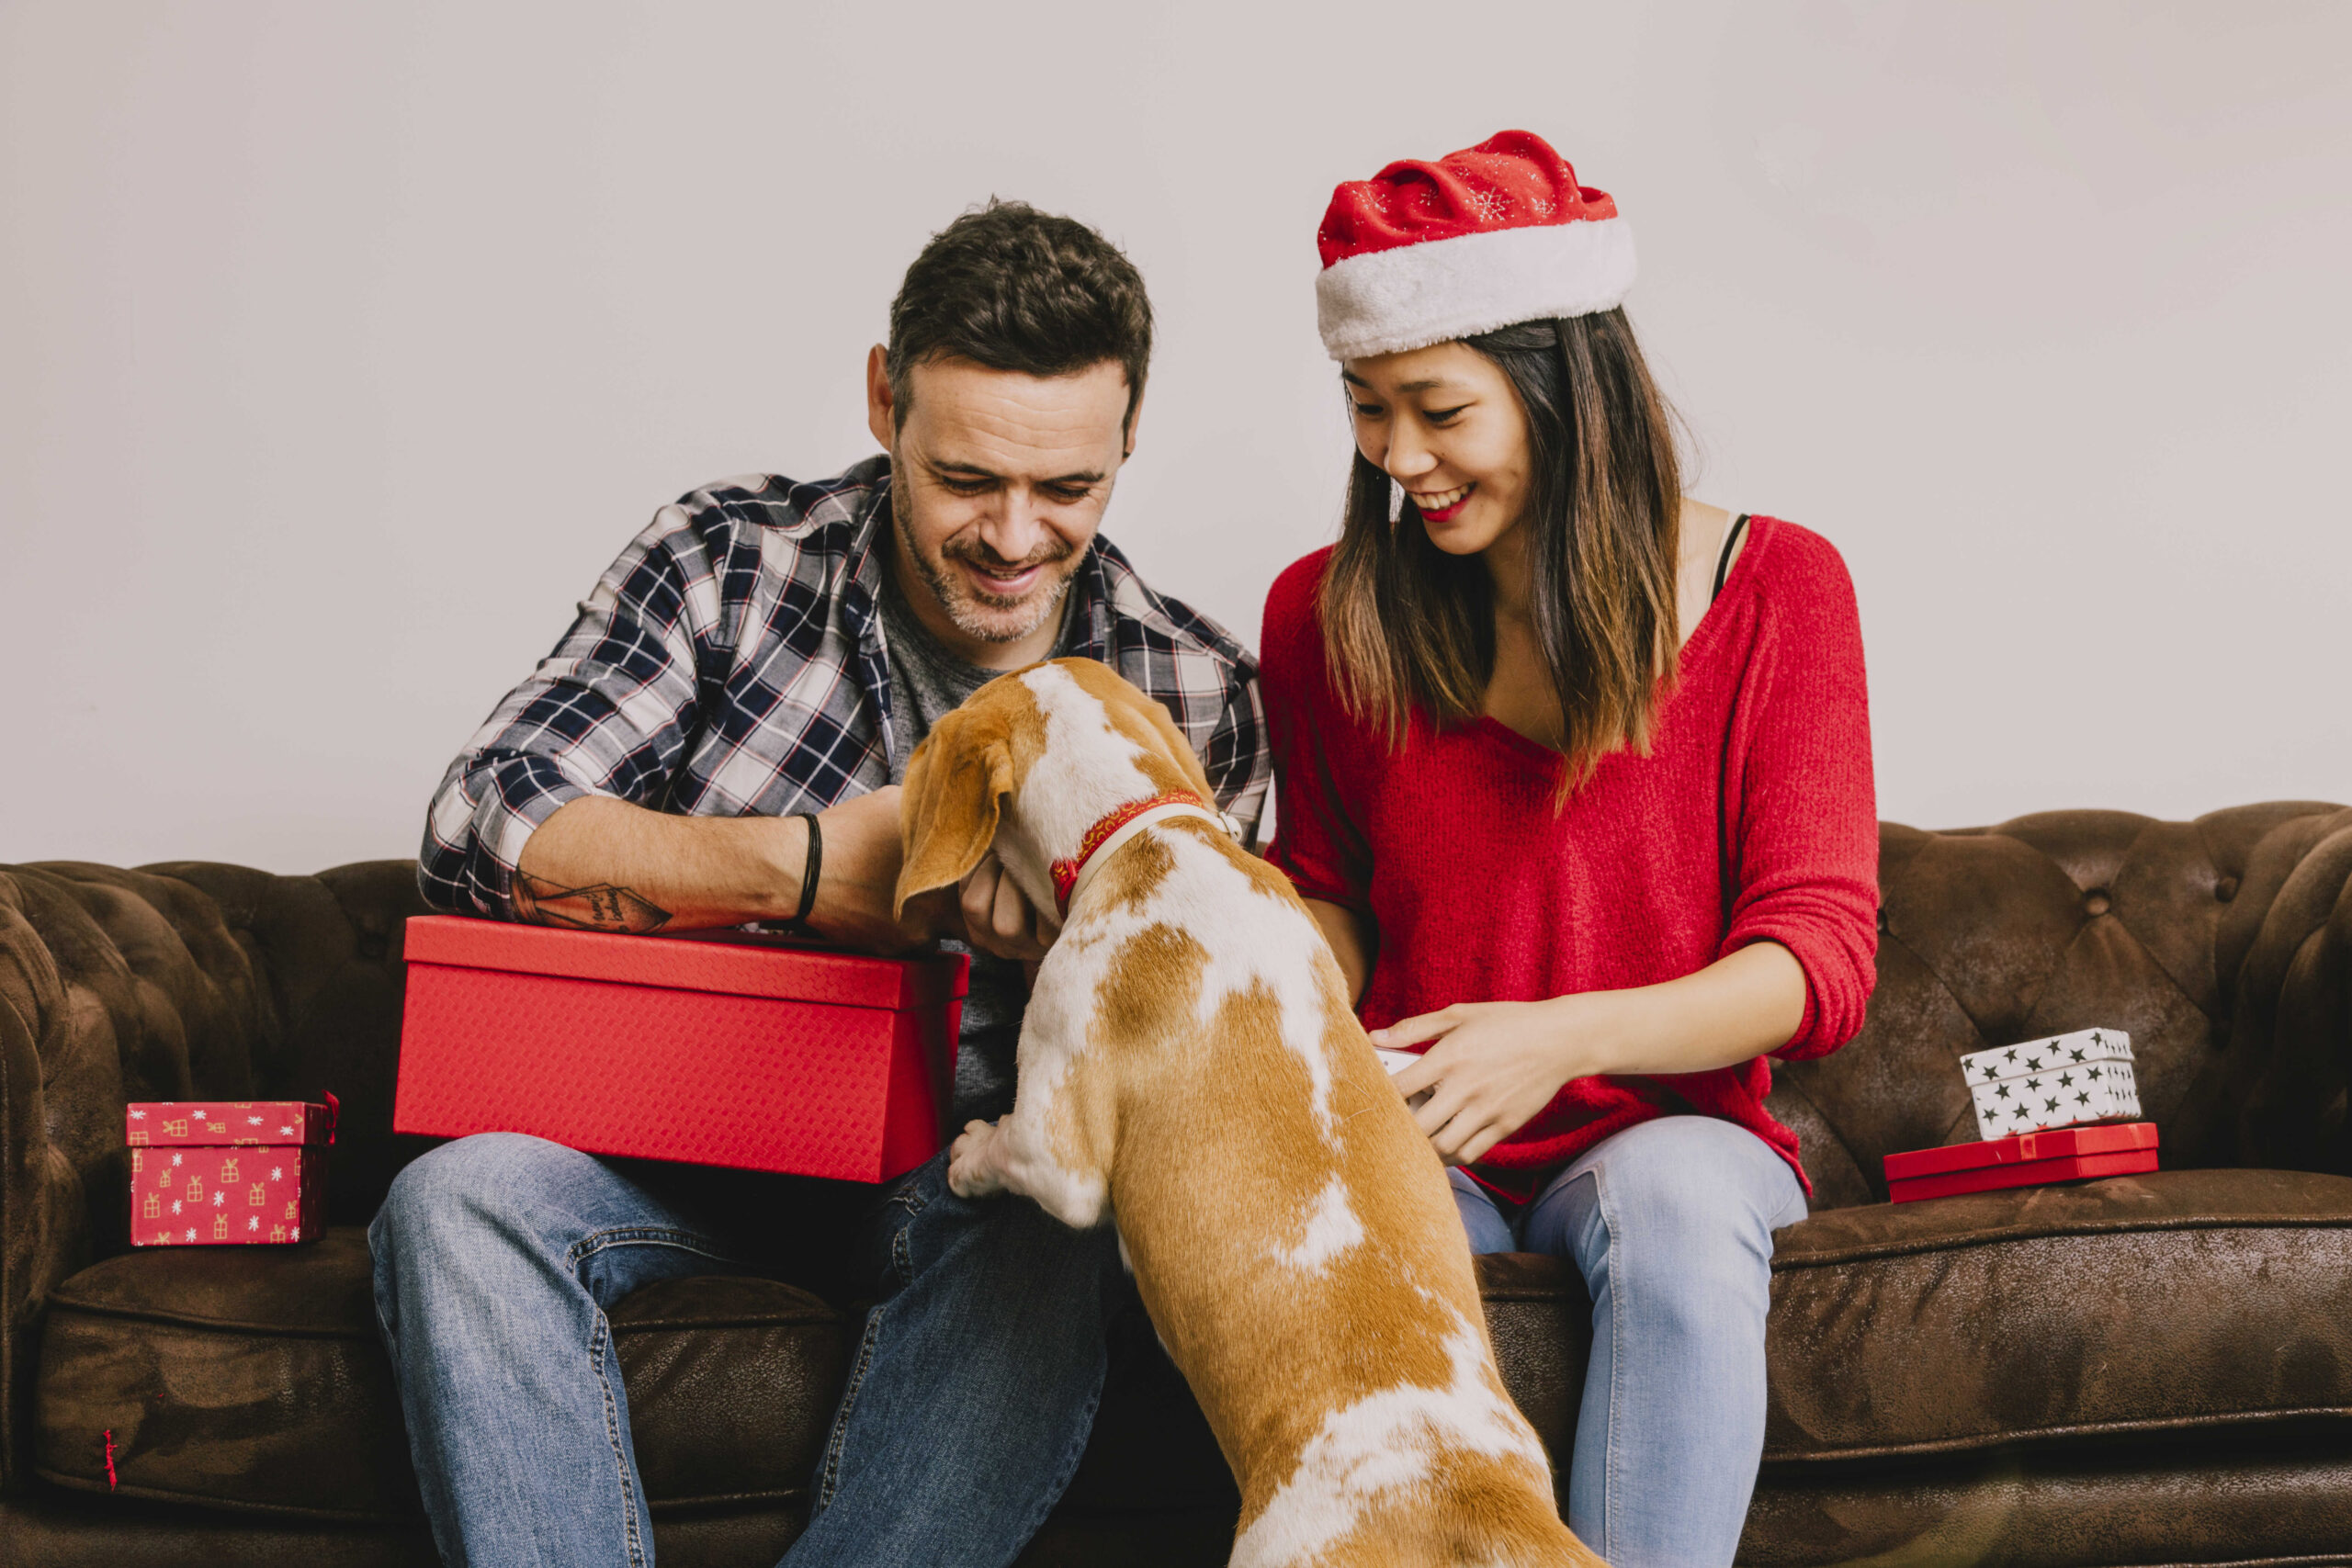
[[754, 670]]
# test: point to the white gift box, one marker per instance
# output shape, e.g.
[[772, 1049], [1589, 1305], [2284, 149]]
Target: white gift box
[[2056, 1082], [1397, 1062]]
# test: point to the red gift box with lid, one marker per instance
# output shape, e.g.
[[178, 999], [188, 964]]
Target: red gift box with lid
[[227, 1173], [722, 1049], [2028, 1159]]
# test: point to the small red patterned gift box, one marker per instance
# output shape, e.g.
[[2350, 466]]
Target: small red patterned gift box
[[722, 1049], [227, 1172]]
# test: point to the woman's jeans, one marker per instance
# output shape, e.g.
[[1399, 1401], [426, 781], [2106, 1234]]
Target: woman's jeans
[[1671, 1222], [970, 1399]]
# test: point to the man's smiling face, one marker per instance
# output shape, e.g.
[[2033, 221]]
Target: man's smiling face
[[998, 484]]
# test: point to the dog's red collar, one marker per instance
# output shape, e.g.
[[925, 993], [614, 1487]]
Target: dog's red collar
[[1068, 872]]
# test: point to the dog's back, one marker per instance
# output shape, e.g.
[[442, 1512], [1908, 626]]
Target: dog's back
[[1291, 1230]]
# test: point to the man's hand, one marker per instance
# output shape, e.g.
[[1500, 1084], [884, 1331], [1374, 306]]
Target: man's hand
[[998, 917]]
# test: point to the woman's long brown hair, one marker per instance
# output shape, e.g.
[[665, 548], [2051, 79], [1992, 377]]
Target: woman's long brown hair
[[1410, 626]]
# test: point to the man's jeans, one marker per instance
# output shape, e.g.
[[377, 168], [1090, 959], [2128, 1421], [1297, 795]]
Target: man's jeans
[[1671, 1222], [970, 1399]]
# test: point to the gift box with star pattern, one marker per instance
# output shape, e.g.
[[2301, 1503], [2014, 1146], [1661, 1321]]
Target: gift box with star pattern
[[227, 1173], [2062, 1081], [718, 1048]]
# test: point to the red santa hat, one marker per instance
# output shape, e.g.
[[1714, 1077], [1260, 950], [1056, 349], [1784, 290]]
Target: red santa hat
[[1496, 234]]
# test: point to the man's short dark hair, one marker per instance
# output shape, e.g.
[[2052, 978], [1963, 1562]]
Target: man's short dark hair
[[1014, 289]]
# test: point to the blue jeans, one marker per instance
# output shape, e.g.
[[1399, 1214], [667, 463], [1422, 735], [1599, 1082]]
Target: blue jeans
[[1671, 1222], [970, 1400]]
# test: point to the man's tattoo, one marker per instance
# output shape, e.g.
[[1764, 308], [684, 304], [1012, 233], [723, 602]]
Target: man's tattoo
[[599, 907]]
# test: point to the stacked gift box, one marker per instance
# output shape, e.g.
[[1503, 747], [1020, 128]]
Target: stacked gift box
[[2057, 1109], [2058, 1082]]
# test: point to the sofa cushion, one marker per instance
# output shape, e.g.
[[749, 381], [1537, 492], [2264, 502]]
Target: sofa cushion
[[253, 1378], [2177, 1300], [2272, 1500]]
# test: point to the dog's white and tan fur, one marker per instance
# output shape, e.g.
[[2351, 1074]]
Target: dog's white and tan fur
[[1188, 1056]]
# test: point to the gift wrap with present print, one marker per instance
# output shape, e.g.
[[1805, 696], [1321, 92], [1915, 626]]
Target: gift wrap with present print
[[721, 1049], [2028, 1160], [2058, 1082], [225, 1173]]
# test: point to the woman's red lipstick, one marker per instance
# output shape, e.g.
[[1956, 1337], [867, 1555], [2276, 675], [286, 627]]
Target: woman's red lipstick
[[1445, 514]]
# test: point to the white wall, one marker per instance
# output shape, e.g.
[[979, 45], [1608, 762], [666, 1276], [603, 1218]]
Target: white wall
[[340, 346]]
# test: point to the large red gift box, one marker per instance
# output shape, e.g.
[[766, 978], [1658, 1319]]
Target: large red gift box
[[2028, 1159], [725, 1049], [227, 1173]]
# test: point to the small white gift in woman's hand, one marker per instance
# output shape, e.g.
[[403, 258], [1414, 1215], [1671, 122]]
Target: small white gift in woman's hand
[[1397, 1062]]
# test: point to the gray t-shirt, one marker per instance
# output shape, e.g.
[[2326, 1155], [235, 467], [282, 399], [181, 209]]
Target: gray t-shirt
[[927, 680]]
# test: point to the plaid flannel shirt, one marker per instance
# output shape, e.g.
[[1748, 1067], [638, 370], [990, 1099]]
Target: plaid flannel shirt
[[731, 664]]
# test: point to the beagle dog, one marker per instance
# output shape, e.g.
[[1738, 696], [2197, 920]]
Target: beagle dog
[[1190, 1062]]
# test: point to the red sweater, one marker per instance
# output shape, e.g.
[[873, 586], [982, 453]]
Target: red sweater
[[1752, 819]]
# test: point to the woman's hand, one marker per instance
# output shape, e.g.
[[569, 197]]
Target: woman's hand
[[1493, 1066]]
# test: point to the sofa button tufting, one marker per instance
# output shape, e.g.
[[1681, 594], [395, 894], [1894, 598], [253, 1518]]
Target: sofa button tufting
[[2226, 889], [2096, 901]]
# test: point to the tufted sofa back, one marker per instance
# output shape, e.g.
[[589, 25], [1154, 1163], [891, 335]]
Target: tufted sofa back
[[2224, 945]]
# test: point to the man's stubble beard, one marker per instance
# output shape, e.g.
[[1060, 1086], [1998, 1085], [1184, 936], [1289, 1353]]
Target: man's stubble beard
[[959, 600]]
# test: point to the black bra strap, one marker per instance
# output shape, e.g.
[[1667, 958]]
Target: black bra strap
[[1722, 562]]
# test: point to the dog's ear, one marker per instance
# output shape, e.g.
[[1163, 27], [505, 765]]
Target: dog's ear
[[957, 783]]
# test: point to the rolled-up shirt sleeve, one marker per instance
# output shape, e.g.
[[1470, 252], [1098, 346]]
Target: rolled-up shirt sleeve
[[606, 713], [1803, 801]]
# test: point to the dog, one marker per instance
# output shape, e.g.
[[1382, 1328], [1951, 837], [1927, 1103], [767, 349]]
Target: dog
[[1189, 1064]]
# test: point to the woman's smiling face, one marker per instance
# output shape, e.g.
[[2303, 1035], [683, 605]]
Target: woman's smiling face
[[1445, 422]]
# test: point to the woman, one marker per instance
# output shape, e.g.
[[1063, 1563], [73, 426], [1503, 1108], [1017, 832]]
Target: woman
[[1575, 774]]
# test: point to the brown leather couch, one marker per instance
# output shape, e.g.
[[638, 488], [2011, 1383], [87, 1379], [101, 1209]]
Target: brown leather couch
[[2140, 1370]]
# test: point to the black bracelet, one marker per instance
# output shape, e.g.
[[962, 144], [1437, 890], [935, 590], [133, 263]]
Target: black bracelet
[[809, 873]]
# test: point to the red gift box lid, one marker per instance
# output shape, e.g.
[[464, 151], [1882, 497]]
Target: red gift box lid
[[731, 963], [2056, 1143], [186, 1123]]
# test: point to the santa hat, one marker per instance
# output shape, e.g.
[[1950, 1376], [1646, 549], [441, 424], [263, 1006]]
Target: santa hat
[[1496, 234]]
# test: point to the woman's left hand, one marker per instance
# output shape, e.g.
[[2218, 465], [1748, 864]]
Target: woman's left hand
[[1493, 1066]]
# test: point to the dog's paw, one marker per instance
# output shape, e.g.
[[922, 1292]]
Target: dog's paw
[[971, 1162]]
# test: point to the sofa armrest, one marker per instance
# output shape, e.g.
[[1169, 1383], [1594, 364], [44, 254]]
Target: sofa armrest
[[52, 1041], [174, 982], [2285, 954]]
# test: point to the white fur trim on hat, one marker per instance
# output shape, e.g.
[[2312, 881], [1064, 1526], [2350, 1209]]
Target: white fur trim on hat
[[1412, 296]]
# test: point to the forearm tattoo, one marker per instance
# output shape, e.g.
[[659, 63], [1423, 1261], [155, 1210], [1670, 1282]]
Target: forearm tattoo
[[598, 907]]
